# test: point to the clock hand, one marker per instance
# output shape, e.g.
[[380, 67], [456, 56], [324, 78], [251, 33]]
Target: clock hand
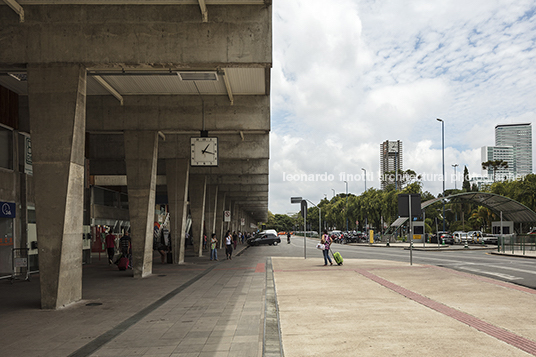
[[208, 152], [205, 149]]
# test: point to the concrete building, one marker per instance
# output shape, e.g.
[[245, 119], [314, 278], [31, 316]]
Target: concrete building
[[391, 160], [505, 153], [106, 107], [518, 136]]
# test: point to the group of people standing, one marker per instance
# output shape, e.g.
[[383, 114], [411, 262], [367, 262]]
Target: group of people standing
[[124, 246]]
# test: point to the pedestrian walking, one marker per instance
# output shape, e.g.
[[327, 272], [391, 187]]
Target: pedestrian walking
[[229, 245], [125, 244], [213, 250], [326, 240], [235, 239], [164, 246], [110, 246]]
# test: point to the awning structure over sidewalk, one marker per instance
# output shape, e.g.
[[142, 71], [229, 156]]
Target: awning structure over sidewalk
[[511, 210]]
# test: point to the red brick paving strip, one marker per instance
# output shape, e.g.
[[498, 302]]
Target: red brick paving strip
[[492, 330], [261, 268]]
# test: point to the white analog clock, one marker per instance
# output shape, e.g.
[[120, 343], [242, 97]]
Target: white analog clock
[[393, 146], [204, 151]]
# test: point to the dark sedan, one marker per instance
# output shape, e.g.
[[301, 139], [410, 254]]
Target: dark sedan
[[444, 238], [264, 238]]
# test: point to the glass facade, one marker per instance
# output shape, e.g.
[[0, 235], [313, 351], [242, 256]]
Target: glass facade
[[518, 136]]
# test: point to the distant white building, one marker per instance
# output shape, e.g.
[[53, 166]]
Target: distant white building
[[513, 144], [505, 153], [519, 136]]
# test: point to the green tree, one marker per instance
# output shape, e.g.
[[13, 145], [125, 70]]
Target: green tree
[[466, 186], [494, 165], [403, 178]]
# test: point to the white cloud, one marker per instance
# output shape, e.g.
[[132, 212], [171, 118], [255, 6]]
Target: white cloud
[[354, 73]]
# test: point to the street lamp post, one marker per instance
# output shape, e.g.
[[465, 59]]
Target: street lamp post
[[366, 215], [346, 182], [455, 178], [443, 160]]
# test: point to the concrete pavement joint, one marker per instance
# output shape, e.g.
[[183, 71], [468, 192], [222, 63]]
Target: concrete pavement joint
[[109, 335], [487, 328], [272, 344]]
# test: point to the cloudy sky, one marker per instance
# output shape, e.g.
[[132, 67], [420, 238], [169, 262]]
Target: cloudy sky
[[350, 74]]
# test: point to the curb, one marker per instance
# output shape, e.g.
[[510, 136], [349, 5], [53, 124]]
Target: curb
[[513, 255]]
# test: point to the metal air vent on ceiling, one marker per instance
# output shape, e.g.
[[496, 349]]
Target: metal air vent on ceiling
[[198, 76], [21, 77]]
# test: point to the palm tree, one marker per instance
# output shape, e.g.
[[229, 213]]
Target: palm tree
[[494, 165]]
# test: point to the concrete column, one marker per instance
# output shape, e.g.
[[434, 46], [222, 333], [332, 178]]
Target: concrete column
[[197, 189], [177, 176], [219, 217], [57, 100], [234, 217], [141, 154], [210, 209], [227, 225]]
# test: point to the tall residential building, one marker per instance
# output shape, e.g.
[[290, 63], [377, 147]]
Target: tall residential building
[[390, 161], [505, 153], [519, 136]]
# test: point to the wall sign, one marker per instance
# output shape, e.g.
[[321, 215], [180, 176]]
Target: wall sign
[[7, 210]]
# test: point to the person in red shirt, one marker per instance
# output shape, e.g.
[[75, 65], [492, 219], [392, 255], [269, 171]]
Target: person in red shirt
[[110, 246]]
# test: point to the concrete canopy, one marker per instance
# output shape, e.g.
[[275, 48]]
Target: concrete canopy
[[153, 61]]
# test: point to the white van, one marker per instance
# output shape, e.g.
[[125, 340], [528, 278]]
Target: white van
[[460, 237]]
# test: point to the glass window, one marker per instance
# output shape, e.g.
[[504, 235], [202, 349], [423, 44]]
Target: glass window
[[6, 148]]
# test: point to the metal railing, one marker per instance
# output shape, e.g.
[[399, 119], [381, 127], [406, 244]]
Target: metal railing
[[517, 244]]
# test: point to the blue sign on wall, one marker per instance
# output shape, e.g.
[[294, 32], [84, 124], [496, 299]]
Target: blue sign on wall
[[7, 210]]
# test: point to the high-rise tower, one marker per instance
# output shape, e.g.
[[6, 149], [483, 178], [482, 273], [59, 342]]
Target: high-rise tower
[[390, 162]]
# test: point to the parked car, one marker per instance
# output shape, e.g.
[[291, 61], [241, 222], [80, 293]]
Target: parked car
[[460, 237], [444, 238], [490, 239], [264, 237], [475, 236]]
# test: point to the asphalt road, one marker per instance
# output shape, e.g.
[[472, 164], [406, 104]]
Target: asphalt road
[[515, 270]]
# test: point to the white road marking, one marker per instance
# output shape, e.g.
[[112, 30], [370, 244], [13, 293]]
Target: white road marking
[[500, 275]]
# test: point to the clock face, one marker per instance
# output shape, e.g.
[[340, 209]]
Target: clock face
[[204, 151], [393, 147]]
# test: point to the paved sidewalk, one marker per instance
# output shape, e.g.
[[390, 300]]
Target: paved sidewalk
[[204, 308], [384, 308]]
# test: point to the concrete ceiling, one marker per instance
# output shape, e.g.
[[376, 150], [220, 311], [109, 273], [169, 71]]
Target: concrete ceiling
[[230, 81]]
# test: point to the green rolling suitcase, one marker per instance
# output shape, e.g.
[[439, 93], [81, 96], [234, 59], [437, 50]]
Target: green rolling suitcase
[[338, 258]]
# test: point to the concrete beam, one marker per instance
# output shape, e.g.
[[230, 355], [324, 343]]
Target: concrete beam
[[243, 188], [236, 167], [238, 179], [169, 113], [225, 181], [126, 35]]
